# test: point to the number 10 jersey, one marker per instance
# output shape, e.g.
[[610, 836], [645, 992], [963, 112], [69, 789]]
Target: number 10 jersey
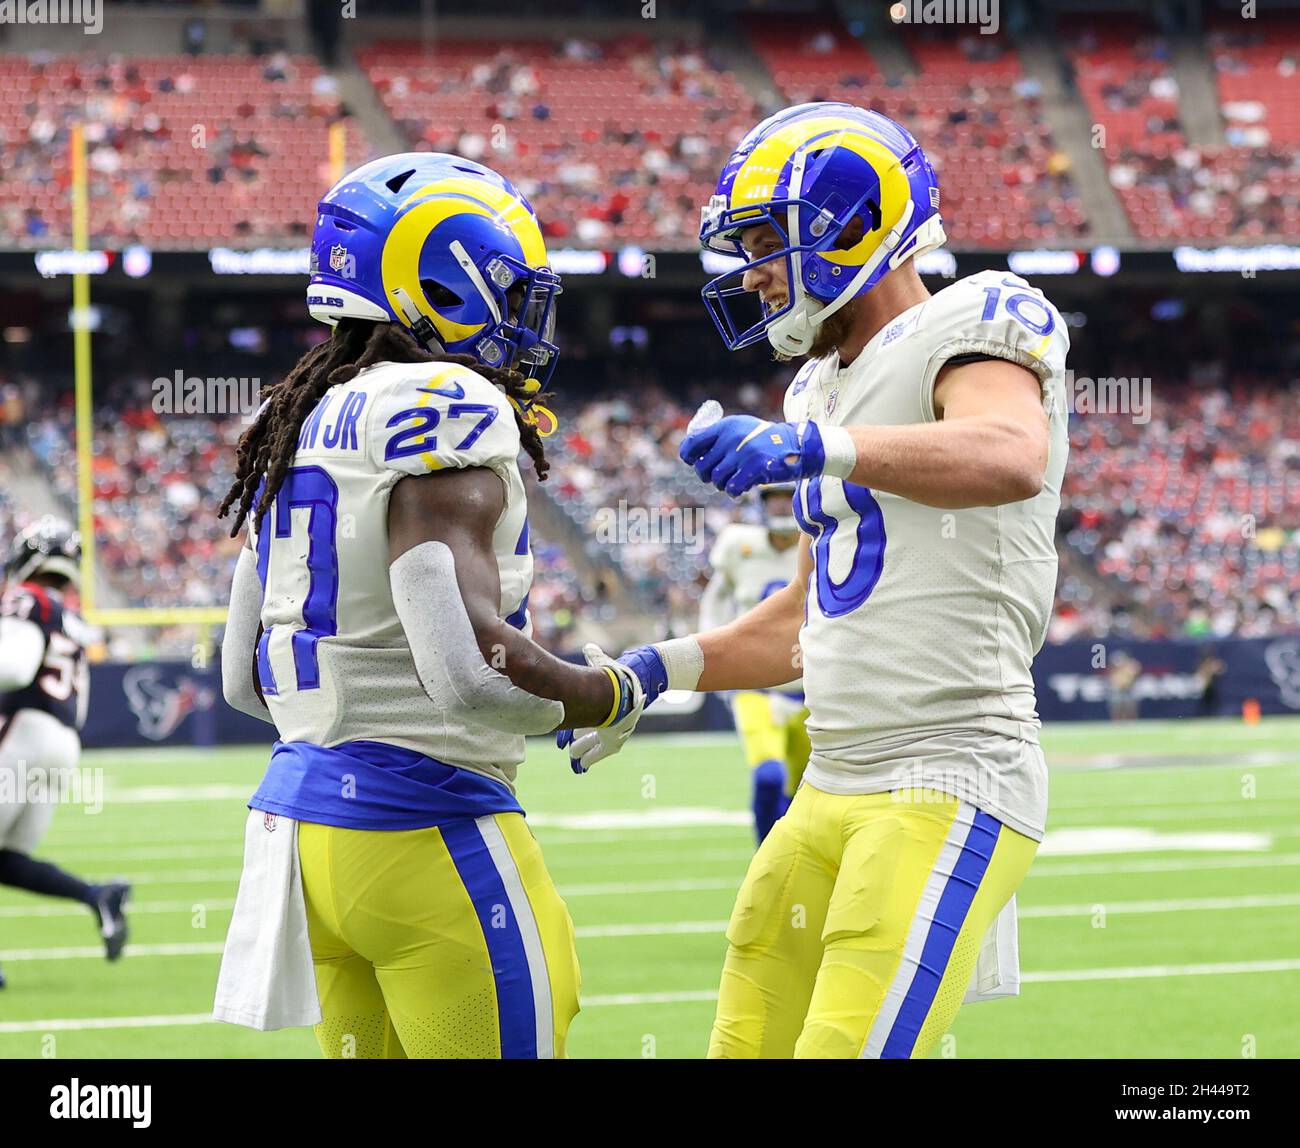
[[922, 623]]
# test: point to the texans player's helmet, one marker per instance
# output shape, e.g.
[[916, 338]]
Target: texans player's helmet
[[48, 546]]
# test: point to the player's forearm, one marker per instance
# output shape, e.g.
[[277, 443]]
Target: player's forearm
[[468, 658], [238, 683], [980, 461], [759, 650], [587, 694]]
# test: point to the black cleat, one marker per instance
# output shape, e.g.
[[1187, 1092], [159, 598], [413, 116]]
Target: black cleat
[[108, 908], [2, 978]]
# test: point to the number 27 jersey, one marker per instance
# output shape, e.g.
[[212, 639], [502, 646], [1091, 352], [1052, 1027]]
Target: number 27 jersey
[[333, 661]]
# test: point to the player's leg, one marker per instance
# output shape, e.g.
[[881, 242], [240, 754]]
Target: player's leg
[[354, 1019], [774, 934], [472, 947], [562, 980], [922, 879], [36, 752], [763, 741]]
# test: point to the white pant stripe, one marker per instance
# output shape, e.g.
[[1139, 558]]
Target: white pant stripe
[[529, 933], [917, 934]]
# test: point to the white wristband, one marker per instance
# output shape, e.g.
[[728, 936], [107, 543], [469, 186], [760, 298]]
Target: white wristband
[[841, 454], [684, 661]]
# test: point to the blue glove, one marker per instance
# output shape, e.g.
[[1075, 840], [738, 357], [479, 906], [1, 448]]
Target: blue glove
[[645, 665], [740, 451], [648, 665]]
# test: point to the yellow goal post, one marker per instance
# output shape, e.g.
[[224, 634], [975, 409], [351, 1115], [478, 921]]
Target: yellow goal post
[[84, 392]]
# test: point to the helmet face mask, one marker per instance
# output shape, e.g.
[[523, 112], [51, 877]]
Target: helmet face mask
[[808, 172], [439, 244], [524, 337], [723, 294]]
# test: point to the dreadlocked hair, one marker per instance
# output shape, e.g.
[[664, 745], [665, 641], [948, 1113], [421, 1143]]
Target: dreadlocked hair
[[267, 447]]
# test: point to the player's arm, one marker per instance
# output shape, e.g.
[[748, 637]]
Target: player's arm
[[22, 649], [239, 684], [447, 592], [759, 649], [988, 446]]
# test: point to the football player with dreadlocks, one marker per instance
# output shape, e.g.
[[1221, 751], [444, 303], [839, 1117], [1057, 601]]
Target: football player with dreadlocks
[[43, 697], [927, 438], [379, 618]]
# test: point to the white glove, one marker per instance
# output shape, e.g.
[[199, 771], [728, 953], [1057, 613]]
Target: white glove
[[590, 745]]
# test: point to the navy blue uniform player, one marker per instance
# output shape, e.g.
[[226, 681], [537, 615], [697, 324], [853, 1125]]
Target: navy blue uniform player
[[43, 696]]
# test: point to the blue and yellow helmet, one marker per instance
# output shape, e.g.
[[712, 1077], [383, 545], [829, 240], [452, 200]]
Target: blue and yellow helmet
[[444, 246], [808, 171]]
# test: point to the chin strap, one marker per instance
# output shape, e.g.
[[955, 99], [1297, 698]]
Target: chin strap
[[419, 324], [792, 335]]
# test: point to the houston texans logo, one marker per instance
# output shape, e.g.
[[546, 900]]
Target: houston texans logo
[[161, 706], [1283, 661]]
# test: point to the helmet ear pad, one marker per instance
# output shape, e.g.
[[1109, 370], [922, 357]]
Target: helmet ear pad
[[440, 295]]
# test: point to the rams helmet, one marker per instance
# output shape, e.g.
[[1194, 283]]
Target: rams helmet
[[444, 246], [808, 171]]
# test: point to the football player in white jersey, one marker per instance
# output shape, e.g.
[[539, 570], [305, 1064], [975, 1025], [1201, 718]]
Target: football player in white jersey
[[379, 618], [750, 561], [927, 435]]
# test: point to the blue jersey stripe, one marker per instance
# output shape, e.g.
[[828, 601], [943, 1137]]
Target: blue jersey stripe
[[949, 917], [516, 1010], [520, 616]]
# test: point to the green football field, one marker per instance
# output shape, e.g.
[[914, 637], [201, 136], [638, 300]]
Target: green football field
[[1161, 918]]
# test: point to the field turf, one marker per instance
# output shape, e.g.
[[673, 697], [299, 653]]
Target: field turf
[[1161, 918]]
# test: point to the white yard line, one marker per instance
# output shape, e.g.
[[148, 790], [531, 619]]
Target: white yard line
[[700, 996], [1164, 865], [87, 952], [73, 909], [642, 929]]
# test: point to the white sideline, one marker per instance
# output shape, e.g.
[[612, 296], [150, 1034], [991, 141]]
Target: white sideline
[[1228, 968]]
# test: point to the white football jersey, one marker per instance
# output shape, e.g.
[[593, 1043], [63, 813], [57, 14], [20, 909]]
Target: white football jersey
[[922, 623], [750, 568], [333, 661]]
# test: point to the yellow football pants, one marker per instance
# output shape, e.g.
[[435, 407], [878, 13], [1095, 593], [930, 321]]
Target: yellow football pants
[[442, 942], [857, 928], [769, 734]]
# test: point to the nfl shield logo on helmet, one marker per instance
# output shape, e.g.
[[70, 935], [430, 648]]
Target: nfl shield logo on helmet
[[338, 257]]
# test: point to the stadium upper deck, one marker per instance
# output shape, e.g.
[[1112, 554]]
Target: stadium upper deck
[[617, 136]]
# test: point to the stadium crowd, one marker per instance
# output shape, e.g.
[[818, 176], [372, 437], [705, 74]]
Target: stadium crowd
[[1186, 522], [614, 139]]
